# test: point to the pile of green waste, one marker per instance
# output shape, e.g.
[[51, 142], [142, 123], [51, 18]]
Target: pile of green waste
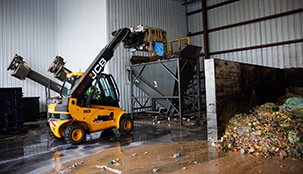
[[269, 131]]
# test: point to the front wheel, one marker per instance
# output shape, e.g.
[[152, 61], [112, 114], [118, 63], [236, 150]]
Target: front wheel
[[74, 134], [126, 125]]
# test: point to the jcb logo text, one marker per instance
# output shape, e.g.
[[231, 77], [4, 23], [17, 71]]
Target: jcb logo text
[[97, 69]]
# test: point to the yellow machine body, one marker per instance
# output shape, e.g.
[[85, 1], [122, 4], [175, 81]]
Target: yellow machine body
[[93, 118], [56, 126], [98, 106]]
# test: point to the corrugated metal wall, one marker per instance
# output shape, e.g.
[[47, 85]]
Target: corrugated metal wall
[[32, 29], [28, 29], [39, 30], [168, 15], [270, 31], [81, 31]]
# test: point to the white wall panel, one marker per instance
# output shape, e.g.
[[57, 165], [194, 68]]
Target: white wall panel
[[168, 15], [269, 31], [27, 28], [81, 31], [195, 23]]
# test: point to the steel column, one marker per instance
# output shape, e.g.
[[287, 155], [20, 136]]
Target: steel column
[[199, 88], [179, 92], [131, 93], [205, 28]]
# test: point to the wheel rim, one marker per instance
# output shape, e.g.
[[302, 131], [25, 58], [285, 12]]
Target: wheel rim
[[77, 135], [127, 125]]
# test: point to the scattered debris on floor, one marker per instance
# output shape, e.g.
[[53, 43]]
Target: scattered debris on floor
[[155, 170], [177, 155], [108, 168], [113, 161], [117, 164], [69, 169], [76, 164], [269, 131]]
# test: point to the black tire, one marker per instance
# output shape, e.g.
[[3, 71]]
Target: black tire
[[126, 125], [53, 137], [107, 133], [74, 134]]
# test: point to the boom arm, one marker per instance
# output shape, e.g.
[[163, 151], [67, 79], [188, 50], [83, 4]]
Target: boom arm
[[58, 69], [21, 71], [97, 66]]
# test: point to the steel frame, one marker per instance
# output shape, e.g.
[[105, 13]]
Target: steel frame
[[194, 98]]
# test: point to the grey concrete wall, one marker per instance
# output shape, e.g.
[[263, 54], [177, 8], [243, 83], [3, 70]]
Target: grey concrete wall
[[233, 87], [294, 80]]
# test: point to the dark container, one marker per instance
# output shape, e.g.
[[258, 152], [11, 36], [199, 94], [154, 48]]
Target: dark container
[[11, 108], [30, 108]]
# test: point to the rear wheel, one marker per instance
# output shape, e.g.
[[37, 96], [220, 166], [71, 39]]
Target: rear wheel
[[74, 134], [126, 125], [52, 135]]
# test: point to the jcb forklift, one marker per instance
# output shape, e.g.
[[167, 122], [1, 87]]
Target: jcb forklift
[[91, 101]]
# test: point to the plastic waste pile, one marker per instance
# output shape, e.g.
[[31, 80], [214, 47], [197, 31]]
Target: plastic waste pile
[[269, 130]]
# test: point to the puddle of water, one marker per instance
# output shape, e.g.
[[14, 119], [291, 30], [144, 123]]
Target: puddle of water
[[35, 154]]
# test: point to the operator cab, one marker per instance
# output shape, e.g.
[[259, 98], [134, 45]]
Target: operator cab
[[103, 91]]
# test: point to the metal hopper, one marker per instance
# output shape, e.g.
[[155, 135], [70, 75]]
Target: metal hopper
[[165, 81]]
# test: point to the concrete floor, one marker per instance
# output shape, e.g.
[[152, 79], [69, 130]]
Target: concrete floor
[[32, 150], [153, 143]]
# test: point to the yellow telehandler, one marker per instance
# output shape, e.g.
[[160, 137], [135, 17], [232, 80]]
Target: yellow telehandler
[[90, 100]]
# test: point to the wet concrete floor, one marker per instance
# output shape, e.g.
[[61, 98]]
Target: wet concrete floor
[[153, 144], [34, 151]]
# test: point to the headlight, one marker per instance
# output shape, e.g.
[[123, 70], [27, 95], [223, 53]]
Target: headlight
[[50, 110]]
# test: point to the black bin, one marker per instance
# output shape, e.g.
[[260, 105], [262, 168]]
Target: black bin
[[30, 108], [11, 108]]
